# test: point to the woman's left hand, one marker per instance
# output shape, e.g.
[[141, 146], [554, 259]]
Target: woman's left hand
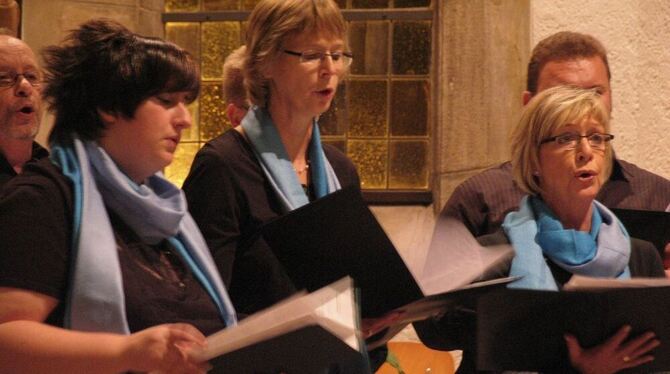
[[612, 355]]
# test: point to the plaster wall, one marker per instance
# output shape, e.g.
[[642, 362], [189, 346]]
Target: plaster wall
[[635, 34]]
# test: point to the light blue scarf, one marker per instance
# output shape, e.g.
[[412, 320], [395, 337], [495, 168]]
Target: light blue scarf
[[155, 211], [535, 232], [277, 167]]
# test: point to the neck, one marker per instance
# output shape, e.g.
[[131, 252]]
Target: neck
[[16, 151], [575, 215], [294, 130]]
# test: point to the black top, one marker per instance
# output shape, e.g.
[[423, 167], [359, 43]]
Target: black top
[[483, 201], [7, 172], [230, 198], [36, 211]]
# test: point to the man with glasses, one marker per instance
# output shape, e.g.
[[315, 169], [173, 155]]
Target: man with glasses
[[20, 103], [564, 58]]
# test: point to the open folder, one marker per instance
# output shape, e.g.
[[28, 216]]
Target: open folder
[[307, 333], [338, 236], [649, 225], [522, 330]]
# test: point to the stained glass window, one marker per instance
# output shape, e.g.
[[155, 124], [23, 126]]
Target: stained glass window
[[380, 116]]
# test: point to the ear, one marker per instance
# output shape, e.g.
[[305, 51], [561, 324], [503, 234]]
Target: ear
[[526, 97], [235, 114], [106, 117]]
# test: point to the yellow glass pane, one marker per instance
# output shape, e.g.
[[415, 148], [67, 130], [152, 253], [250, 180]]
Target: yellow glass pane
[[370, 157], [218, 40], [367, 108], [185, 35], [249, 4], [339, 144], [408, 167], [409, 108], [411, 3], [334, 120], [182, 5], [178, 170], [370, 3], [213, 119], [369, 43], [221, 4], [191, 134], [411, 47]]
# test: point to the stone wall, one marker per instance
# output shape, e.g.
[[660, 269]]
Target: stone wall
[[47, 22], [636, 36]]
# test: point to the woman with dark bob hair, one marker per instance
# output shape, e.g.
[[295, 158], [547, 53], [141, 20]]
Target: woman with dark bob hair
[[103, 269]]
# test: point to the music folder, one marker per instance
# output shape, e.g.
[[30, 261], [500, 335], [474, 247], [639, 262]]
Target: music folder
[[338, 236], [522, 330], [649, 225]]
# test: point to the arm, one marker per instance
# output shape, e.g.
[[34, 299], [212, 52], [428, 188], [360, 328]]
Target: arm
[[27, 344]]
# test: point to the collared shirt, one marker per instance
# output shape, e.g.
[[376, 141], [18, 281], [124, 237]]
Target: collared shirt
[[7, 172], [483, 201]]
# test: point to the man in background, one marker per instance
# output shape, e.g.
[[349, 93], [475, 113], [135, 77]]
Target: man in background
[[564, 58], [20, 103]]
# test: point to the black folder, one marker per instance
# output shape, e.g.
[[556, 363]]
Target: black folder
[[338, 236], [522, 330], [649, 225]]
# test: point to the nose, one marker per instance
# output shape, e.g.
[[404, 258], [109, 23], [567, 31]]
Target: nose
[[328, 65], [584, 151], [22, 87], [182, 118]]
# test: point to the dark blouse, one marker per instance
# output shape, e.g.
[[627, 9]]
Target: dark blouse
[[36, 211]]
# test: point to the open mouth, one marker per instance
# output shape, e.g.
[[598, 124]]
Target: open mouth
[[325, 92], [27, 109], [585, 175]]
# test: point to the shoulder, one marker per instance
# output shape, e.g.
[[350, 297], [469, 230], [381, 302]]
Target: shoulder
[[645, 260], [635, 172], [344, 168], [40, 177]]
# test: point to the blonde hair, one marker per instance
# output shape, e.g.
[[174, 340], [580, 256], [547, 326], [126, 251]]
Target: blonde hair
[[547, 112], [271, 23], [232, 84]]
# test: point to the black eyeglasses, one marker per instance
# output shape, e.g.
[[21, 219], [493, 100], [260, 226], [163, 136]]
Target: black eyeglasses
[[340, 59], [570, 140], [9, 79]]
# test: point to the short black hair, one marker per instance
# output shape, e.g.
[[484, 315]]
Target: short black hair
[[104, 66]]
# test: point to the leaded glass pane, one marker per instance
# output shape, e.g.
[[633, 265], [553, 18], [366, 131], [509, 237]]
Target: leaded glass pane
[[411, 47], [213, 119], [409, 108], [367, 108], [177, 171], [339, 144], [182, 5], [369, 42], [410, 3], [218, 40], [334, 120], [185, 35], [370, 3], [369, 156], [408, 167], [220, 4]]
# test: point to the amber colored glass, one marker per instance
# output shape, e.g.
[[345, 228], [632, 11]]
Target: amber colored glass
[[213, 119], [220, 4], [411, 47], [411, 3], [367, 108], [369, 43], [249, 4], [219, 39], [366, 4], [370, 158], [185, 35], [409, 108], [339, 144], [408, 164], [178, 170], [182, 5], [335, 120]]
